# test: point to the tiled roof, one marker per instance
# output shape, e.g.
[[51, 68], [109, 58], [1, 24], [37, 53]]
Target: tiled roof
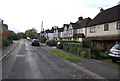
[[106, 16], [60, 29], [50, 31], [84, 22], [80, 24], [75, 25]]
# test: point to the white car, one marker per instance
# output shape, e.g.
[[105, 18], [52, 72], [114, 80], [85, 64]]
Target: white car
[[115, 53]]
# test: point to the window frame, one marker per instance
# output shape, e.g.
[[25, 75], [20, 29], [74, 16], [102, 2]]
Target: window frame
[[118, 25], [93, 30], [106, 27]]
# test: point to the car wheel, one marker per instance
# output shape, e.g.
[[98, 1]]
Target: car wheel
[[114, 60], [32, 44]]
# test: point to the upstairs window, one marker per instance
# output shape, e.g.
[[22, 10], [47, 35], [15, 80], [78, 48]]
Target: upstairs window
[[93, 30], [70, 31], [65, 32], [118, 25], [106, 27]]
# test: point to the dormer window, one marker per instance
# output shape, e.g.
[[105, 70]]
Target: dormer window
[[106, 27], [118, 25]]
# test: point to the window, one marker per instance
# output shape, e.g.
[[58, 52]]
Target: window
[[94, 43], [70, 31], [65, 32], [118, 25], [106, 27], [93, 30]]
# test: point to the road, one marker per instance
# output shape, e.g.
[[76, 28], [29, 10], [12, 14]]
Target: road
[[32, 62]]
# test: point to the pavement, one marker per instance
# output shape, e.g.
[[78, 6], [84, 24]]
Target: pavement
[[40, 64]]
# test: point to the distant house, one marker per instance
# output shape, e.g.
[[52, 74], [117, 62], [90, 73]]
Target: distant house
[[49, 34], [58, 33], [76, 31], [65, 32], [104, 29]]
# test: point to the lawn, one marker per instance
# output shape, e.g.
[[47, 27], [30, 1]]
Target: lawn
[[42, 45], [66, 56]]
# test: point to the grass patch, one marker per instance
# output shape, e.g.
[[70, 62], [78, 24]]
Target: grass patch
[[63, 55], [42, 45], [73, 43]]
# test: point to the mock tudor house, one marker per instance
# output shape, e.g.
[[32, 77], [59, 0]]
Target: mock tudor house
[[76, 31], [81, 29], [104, 29], [65, 32], [58, 33]]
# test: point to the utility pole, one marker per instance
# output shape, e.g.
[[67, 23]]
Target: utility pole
[[41, 28]]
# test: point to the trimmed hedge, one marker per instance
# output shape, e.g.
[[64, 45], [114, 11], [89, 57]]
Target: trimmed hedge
[[60, 46], [72, 47]]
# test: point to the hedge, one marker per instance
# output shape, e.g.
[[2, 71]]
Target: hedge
[[72, 47], [51, 42]]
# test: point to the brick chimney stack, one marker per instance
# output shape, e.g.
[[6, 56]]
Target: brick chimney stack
[[80, 18]]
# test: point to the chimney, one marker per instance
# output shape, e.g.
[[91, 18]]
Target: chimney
[[101, 9], [80, 18]]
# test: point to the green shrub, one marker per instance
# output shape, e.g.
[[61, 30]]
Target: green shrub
[[95, 53], [43, 40], [6, 41], [84, 52], [51, 42], [14, 37], [86, 44]]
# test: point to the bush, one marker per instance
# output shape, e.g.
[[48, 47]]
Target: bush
[[84, 52], [86, 44], [51, 42], [14, 37], [95, 53], [6, 42], [43, 40]]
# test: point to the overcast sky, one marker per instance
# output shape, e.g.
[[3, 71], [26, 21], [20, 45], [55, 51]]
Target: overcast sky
[[21, 15]]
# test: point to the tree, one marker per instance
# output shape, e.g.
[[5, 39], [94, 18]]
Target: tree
[[21, 35], [32, 33]]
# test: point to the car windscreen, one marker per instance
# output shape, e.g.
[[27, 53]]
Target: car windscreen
[[117, 47], [36, 41]]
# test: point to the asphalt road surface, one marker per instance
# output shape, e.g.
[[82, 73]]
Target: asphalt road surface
[[32, 62]]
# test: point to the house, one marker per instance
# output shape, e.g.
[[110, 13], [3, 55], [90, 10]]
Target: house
[[76, 31], [58, 33], [104, 29], [49, 34], [81, 29], [65, 31]]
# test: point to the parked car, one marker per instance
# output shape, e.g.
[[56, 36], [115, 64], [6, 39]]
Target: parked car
[[35, 42], [28, 38], [115, 53]]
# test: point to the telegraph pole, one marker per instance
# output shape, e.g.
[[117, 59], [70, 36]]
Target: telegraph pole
[[41, 28]]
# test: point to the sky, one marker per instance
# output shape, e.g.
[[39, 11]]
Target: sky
[[21, 15]]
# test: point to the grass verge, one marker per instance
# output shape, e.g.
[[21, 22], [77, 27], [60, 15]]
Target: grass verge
[[42, 45], [63, 55]]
